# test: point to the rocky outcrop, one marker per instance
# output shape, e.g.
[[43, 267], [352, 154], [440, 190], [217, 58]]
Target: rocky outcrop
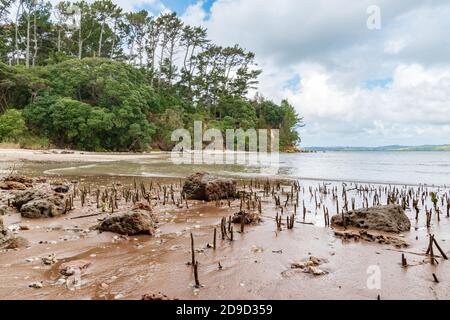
[[131, 223], [249, 217], [390, 218], [203, 186], [16, 183], [15, 243], [39, 204], [12, 185]]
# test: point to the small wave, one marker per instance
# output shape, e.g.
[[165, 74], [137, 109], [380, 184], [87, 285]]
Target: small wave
[[54, 171]]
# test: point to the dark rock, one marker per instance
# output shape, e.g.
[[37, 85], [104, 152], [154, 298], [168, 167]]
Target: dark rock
[[203, 186], [389, 218], [39, 204], [249, 217], [72, 267], [3, 232], [61, 188], [131, 223], [156, 297]]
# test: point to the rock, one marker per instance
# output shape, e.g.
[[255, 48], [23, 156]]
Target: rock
[[39, 204], [16, 183], [12, 185], [142, 206], [21, 179], [316, 271], [371, 237], [54, 227], [203, 186], [49, 260], [249, 217], [40, 208], [131, 223], [70, 268], [311, 266], [3, 232], [15, 243], [390, 218], [36, 285], [156, 297], [61, 188], [40, 179], [312, 262]]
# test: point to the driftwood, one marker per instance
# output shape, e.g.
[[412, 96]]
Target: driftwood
[[87, 216]]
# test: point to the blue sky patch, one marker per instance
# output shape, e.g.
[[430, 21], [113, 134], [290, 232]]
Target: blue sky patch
[[294, 82], [178, 6], [378, 83]]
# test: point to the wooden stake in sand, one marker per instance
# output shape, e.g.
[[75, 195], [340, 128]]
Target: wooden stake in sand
[[192, 249], [215, 237], [404, 262], [197, 282], [439, 248], [435, 278]]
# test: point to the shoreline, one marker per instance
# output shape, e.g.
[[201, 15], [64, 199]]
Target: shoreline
[[11, 157]]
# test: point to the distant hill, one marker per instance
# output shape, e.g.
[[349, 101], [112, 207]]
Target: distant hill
[[445, 147]]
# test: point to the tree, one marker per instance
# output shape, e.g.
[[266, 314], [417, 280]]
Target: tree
[[94, 77], [106, 14], [135, 27], [289, 135], [12, 126]]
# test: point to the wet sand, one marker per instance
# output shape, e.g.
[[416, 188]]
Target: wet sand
[[256, 265]]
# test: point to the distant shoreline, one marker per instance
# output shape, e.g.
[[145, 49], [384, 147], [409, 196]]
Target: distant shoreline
[[440, 148]]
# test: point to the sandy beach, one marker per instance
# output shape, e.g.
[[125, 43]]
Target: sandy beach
[[259, 263]]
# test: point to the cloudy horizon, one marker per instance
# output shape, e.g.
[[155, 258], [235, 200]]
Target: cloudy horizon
[[353, 86]]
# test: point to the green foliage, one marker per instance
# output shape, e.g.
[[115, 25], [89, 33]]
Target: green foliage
[[12, 126], [125, 81], [28, 141], [171, 119], [289, 136]]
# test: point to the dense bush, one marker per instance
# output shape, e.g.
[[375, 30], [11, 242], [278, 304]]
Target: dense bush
[[125, 80], [12, 126]]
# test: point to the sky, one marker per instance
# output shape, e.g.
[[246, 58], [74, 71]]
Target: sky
[[353, 85]]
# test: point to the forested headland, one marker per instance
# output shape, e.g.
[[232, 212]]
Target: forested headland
[[93, 77]]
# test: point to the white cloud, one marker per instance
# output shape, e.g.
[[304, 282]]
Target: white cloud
[[194, 14], [154, 6], [328, 46], [415, 107]]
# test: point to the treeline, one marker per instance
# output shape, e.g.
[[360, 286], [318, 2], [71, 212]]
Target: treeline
[[90, 76]]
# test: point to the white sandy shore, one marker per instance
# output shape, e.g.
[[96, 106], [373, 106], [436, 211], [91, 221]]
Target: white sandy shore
[[59, 155], [55, 155]]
